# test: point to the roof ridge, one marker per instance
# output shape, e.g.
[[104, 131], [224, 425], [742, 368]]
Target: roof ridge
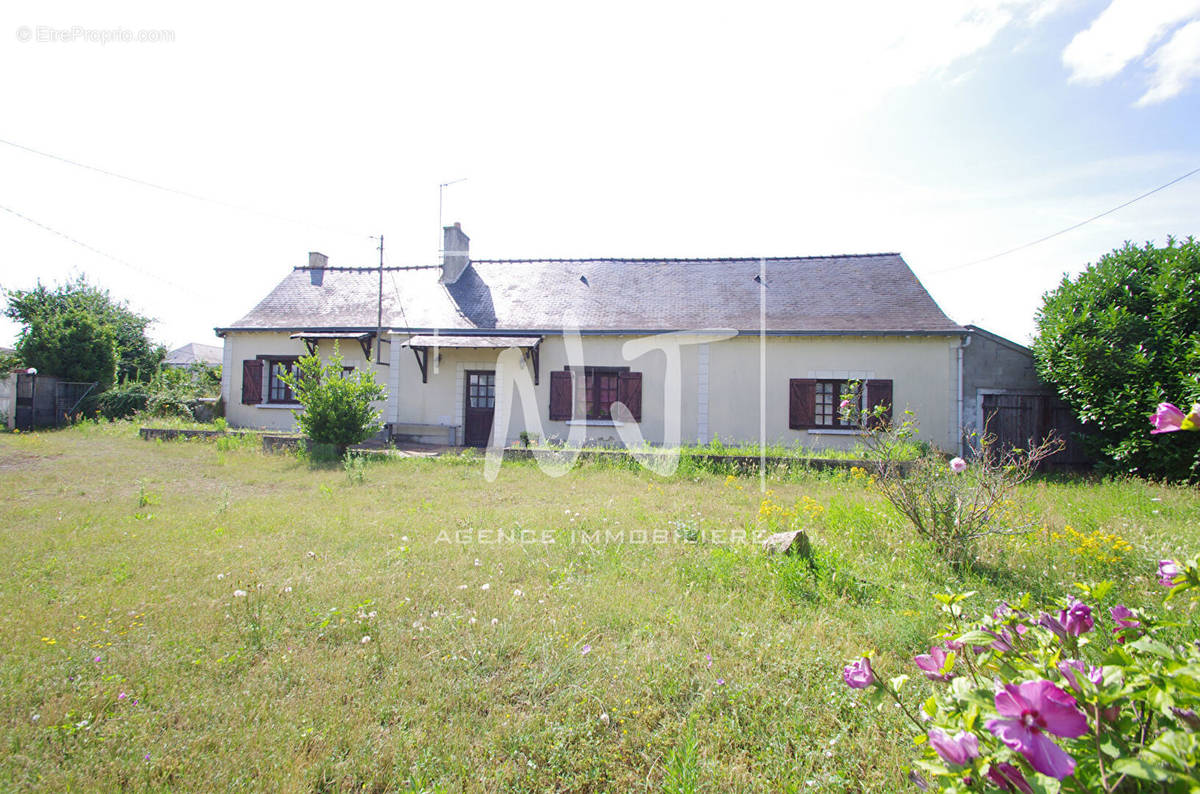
[[681, 260], [580, 259]]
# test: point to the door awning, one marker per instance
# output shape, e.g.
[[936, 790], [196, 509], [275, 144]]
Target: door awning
[[420, 345], [432, 340], [312, 338]]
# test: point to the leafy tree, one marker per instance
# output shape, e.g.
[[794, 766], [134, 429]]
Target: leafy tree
[[137, 357], [337, 404], [1120, 338], [9, 361], [72, 345]]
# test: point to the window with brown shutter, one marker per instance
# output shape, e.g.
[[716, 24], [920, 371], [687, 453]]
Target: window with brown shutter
[[816, 404], [879, 392], [252, 371], [560, 396], [801, 403], [594, 390], [277, 390], [629, 392]]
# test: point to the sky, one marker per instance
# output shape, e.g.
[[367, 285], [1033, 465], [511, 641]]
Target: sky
[[948, 131]]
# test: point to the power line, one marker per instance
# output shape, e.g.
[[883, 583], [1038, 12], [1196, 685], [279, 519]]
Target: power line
[[178, 192], [399, 297], [189, 290], [1069, 228]]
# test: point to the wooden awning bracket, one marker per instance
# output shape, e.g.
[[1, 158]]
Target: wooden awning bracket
[[422, 354], [313, 339], [534, 356]]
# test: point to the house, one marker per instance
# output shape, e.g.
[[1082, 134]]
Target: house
[[194, 353], [656, 351]]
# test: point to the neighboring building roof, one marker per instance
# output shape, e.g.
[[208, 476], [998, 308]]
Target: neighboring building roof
[[192, 353], [1000, 340], [869, 293]]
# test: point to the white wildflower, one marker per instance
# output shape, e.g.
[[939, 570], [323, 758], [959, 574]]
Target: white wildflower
[[239, 593]]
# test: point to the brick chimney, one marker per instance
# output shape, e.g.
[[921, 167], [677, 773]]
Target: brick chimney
[[456, 256], [316, 267]]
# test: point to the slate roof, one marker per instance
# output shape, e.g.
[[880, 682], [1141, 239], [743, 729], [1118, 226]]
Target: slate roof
[[194, 352], [865, 293]]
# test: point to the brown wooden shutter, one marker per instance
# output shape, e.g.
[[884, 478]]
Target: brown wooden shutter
[[879, 392], [560, 395], [802, 403], [252, 377], [629, 391]]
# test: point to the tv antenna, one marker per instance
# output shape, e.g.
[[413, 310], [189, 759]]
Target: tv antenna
[[441, 194]]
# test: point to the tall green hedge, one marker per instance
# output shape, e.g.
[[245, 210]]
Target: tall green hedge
[[1121, 337]]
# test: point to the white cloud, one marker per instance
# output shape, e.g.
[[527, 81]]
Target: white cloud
[[1175, 64], [927, 38], [1123, 33]]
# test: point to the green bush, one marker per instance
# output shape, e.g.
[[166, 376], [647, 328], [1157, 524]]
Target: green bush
[[1120, 338], [169, 392], [337, 405]]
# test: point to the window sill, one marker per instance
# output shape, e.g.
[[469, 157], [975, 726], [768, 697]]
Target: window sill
[[596, 422], [290, 406], [836, 431]]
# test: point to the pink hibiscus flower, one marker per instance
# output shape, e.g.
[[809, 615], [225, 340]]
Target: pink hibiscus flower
[[933, 663], [858, 674], [957, 749], [1032, 710]]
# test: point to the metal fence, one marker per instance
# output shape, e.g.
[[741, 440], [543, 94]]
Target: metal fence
[[43, 401]]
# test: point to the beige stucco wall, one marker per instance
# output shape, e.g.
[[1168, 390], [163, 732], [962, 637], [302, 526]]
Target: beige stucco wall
[[719, 385], [923, 371], [242, 346]]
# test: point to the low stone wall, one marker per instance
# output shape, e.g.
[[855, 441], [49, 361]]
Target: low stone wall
[[272, 442], [742, 463], [172, 433]]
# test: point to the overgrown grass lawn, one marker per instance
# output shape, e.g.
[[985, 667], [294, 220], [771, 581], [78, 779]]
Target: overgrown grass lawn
[[389, 640]]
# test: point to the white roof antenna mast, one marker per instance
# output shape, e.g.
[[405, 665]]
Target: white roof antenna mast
[[441, 193]]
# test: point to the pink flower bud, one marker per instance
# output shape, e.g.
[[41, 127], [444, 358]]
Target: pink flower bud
[[858, 674]]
